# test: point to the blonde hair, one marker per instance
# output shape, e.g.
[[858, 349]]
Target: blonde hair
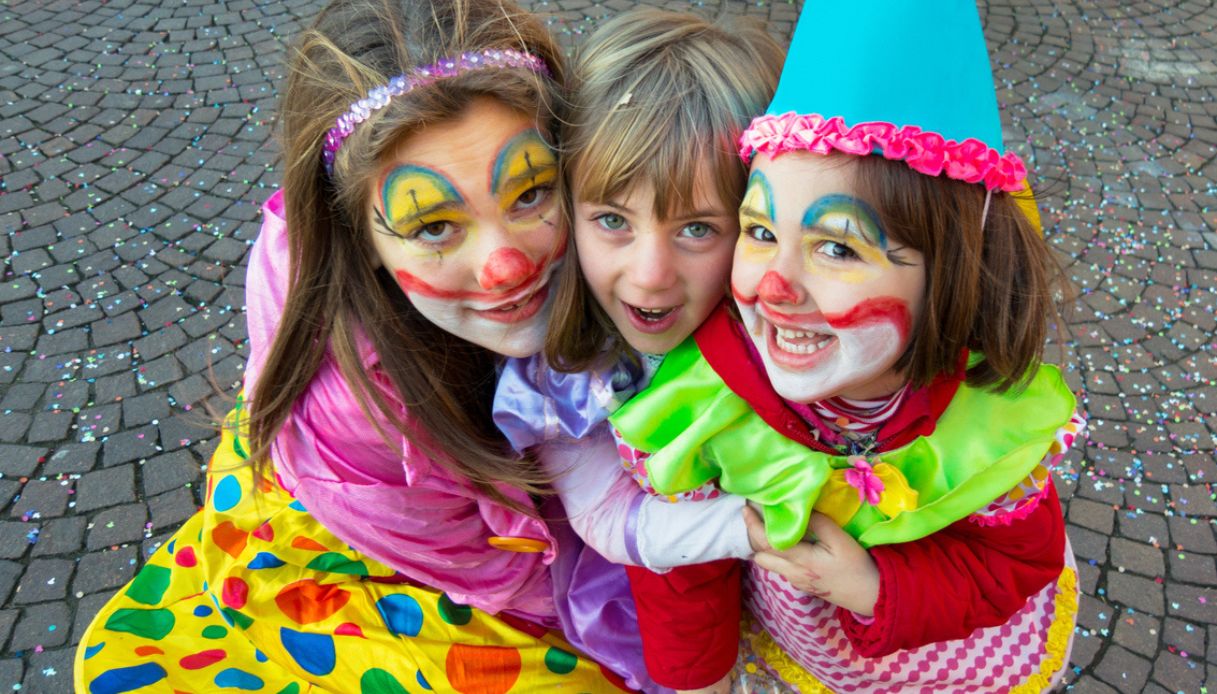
[[336, 289], [656, 98]]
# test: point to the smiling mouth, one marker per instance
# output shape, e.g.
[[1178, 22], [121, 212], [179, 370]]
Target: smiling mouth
[[800, 341], [651, 320], [520, 310]]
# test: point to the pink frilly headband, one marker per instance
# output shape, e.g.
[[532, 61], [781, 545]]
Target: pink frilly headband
[[926, 152], [378, 98]]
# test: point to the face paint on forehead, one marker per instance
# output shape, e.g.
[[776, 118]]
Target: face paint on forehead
[[847, 215], [758, 198], [410, 191], [525, 159]]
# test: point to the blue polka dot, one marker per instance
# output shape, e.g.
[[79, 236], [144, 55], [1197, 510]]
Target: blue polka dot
[[125, 679], [297, 506], [266, 560], [402, 614], [233, 678], [202, 611], [313, 652], [422, 681], [260, 656], [91, 651], [171, 544], [226, 494]]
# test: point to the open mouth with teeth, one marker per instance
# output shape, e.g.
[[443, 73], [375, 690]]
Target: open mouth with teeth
[[651, 320], [519, 311], [798, 349]]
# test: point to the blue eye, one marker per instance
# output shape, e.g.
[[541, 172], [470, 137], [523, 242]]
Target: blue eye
[[760, 233], [611, 222], [697, 230], [837, 251]]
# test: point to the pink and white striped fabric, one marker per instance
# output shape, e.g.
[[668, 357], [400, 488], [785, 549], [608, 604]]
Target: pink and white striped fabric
[[1027, 653]]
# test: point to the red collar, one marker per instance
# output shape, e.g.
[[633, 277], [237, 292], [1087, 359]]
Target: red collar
[[724, 345]]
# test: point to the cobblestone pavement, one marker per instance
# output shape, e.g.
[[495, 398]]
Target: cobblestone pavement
[[135, 152]]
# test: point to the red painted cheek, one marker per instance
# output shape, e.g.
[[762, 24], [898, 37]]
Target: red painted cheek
[[506, 267], [413, 285], [881, 309], [775, 289]]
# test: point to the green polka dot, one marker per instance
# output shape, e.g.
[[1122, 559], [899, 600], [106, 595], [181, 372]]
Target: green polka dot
[[150, 624], [452, 612], [560, 662], [149, 585], [292, 688], [377, 681], [339, 564], [234, 617], [215, 631]]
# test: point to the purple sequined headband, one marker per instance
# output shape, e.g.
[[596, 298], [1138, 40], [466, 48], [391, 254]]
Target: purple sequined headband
[[379, 97]]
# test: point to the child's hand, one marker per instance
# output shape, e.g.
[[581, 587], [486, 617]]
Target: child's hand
[[833, 566]]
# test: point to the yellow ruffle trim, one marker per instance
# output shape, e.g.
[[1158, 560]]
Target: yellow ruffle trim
[[1066, 603], [776, 659], [1058, 634]]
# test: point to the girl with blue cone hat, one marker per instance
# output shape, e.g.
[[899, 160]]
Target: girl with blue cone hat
[[879, 384]]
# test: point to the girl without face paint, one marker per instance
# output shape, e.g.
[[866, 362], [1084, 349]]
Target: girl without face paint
[[879, 387], [652, 186], [366, 526]]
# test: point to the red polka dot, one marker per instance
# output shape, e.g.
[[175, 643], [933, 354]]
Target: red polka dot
[[185, 557], [148, 650], [307, 601], [482, 669], [265, 532], [235, 592], [198, 661], [349, 629]]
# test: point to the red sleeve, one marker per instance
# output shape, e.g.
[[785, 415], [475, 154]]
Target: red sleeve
[[962, 577], [689, 620]]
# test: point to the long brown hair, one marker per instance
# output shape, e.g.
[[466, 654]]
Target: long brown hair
[[992, 285], [656, 97], [336, 291]]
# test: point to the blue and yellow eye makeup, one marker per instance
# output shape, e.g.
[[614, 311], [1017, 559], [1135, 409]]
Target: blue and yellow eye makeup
[[756, 210], [525, 162], [844, 219], [415, 196]]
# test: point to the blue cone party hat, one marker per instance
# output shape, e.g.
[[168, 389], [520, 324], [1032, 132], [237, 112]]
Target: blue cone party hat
[[905, 79]]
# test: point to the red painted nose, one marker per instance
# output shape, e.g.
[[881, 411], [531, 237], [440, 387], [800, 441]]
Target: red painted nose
[[506, 267], [775, 289]]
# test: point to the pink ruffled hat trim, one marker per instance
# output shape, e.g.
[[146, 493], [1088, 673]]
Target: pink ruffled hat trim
[[926, 152]]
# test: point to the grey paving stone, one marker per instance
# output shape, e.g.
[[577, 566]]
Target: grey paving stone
[[1193, 534], [43, 580], [20, 461], [11, 671], [143, 409], [1122, 669], [104, 570], [60, 536], [106, 487], [41, 499], [1137, 557], [171, 508], [72, 458], [116, 526], [129, 445], [46, 625], [50, 672], [15, 538]]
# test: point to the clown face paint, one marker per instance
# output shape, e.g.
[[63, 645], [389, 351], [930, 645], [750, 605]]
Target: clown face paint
[[657, 279], [828, 301], [467, 223]]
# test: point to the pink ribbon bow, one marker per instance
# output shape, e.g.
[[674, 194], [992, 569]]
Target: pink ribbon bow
[[862, 477]]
